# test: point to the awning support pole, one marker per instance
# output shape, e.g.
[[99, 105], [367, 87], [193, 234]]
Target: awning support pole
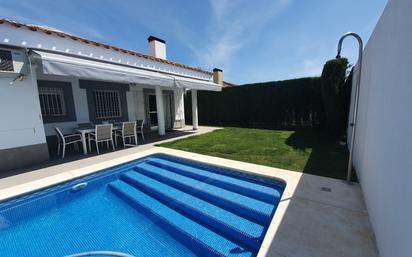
[[160, 111]]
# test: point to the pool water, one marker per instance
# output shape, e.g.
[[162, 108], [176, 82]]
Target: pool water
[[156, 206]]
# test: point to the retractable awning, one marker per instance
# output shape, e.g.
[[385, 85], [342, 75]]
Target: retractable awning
[[87, 68], [196, 84]]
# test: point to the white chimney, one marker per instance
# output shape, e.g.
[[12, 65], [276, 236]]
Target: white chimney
[[157, 47]]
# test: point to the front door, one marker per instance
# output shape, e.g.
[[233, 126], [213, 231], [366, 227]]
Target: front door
[[167, 106], [151, 110]]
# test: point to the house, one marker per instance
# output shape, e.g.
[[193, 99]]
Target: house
[[228, 84], [50, 78]]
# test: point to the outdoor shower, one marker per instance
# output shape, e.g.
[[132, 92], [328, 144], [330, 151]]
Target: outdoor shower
[[355, 109]]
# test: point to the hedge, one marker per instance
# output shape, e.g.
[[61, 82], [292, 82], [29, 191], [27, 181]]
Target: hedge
[[288, 104]]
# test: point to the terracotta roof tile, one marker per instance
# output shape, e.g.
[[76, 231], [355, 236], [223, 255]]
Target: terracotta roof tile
[[87, 41]]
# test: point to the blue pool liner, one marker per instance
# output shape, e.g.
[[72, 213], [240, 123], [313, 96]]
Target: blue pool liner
[[248, 208], [197, 238], [212, 211], [250, 189], [236, 228]]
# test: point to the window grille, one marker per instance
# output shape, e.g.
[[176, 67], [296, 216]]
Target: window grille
[[52, 102], [6, 61], [107, 104]]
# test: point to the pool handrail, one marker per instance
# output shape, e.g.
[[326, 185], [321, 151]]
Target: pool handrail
[[107, 253]]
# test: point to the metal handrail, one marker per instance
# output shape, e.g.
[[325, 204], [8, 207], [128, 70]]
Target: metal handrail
[[107, 253]]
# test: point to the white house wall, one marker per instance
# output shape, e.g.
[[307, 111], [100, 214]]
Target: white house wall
[[22, 137], [137, 104], [383, 146], [136, 107], [20, 113]]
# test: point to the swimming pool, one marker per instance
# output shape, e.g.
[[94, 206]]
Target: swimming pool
[[156, 206]]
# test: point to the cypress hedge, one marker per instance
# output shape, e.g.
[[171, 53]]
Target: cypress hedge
[[335, 96], [346, 94], [288, 104], [316, 102]]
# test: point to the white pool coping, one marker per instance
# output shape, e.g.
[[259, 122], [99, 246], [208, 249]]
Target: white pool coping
[[307, 222]]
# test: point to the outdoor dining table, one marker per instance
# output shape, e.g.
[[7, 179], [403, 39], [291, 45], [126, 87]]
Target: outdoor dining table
[[84, 131]]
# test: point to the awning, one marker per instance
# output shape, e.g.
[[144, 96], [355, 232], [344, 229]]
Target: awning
[[196, 84], [86, 68]]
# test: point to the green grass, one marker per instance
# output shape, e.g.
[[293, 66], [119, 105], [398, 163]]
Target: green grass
[[303, 151]]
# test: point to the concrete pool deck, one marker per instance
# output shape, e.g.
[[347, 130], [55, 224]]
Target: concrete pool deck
[[316, 217]]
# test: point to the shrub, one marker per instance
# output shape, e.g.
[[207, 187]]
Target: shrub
[[334, 96]]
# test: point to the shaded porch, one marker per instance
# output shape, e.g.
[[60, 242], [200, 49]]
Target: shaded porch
[[77, 90]]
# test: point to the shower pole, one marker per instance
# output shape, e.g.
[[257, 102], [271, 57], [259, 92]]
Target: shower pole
[[355, 110]]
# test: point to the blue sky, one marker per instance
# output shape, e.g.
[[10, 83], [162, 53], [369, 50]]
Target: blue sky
[[251, 41]]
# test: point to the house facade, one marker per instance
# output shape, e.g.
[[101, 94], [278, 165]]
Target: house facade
[[49, 79]]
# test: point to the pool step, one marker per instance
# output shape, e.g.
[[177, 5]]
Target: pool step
[[246, 207], [233, 227], [235, 174], [244, 187], [197, 238]]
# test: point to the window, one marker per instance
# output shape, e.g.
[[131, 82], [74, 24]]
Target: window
[[106, 100], [6, 61], [56, 101], [107, 104], [52, 102]]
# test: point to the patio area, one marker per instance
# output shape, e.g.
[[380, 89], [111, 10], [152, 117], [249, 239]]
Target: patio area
[[77, 157], [317, 216]]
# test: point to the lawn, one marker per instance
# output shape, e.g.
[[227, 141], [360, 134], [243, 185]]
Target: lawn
[[304, 151]]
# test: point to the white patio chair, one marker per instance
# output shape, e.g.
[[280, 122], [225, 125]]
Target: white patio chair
[[102, 133], [139, 127], [128, 132], [64, 140]]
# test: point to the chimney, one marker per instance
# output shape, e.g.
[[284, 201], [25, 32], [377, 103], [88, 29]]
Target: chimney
[[218, 76], [157, 47]]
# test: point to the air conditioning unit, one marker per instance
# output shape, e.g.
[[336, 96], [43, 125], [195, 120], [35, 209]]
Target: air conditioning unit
[[12, 61]]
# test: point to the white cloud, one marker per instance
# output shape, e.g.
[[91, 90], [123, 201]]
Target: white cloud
[[233, 25], [308, 68], [221, 8], [312, 67]]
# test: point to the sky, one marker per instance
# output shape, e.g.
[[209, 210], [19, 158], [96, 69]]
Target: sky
[[251, 41]]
